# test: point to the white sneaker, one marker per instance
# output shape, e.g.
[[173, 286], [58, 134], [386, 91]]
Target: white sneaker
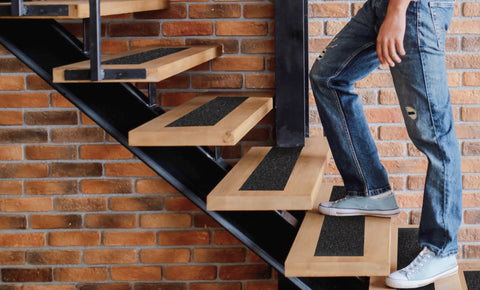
[[424, 270]]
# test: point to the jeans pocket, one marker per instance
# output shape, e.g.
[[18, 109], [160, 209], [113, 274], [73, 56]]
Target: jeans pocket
[[441, 12]]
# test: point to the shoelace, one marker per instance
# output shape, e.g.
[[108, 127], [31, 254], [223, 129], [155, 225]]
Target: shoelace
[[419, 262]]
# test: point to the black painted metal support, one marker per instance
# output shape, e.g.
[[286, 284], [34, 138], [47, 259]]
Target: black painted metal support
[[95, 50], [291, 72], [17, 8], [152, 94]]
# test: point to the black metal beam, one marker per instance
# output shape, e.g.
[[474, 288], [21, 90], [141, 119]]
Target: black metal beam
[[291, 72]]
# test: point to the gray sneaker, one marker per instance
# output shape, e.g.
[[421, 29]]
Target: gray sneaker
[[424, 270], [383, 205]]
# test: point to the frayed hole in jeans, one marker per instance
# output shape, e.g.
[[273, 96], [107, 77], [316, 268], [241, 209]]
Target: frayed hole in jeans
[[411, 112]]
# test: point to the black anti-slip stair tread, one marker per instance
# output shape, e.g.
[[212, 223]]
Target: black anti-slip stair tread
[[210, 113], [145, 56], [473, 279], [274, 170], [341, 236]]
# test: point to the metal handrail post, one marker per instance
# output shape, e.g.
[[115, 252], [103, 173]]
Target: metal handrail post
[[96, 72]]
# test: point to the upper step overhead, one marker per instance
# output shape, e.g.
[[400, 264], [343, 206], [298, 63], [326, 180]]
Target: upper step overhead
[[149, 64], [208, 120], [275, 178], [77, 9]]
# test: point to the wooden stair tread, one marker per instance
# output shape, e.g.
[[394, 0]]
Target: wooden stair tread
[[299, 193], [410, 241], [227, 131], [374, 260], [146, 64], [77, 9]]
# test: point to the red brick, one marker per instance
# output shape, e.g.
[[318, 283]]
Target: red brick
[[12, 275], [471, 200], [217, 81], [24, 100], [259, 11], [467, 131], [190, 272], [11, 152], [332, 27], [103, 186], [81, 274], [83, 135], [112, 46], [148, 203], [10, 118], [238, 63], [169, 238], [110, 256], [104, 286], [12, 65], [214, 11], [329, 10], [51, 152], [471, 148], [471, 78], [74, 238], [11, 187], [23, 135], [51, 187], [463, 61], [470, 114], [165, 220], [13, 222], [224, 238], [81, 204], [251, 28], [159, 256], [469, 234], [12, 83], [60, 101], [221, 255], [245, 272], [260, 81], [205, 221], [136, 273], [391, 149], [51, 118], [23, 204], [37, 83], [121, 238], [393, 133], [187, 28], [12, 257], [128, 169], [465, 97], [157, 185], [55, 257], [471, 43], [471, 181], [180, 203], [70, 221], [22, 240], [384, 115], [229, 45], [61, 169], [48, 287], [174, 11], [137, 28], [472, 216], [104, 151], [464, 26], [107, 221]]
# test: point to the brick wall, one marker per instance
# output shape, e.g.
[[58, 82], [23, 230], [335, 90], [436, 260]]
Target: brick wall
[[405, 164], [78, 211]]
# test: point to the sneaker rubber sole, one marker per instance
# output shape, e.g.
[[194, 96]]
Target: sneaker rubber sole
[[402, 284], [357, 212]]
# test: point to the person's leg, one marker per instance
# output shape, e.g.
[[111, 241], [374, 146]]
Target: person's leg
[[348, 58], [422, 88]]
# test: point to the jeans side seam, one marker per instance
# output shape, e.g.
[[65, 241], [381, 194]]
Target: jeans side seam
[[344, 119], [434, 129]]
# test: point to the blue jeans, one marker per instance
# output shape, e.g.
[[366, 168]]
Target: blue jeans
[[421, 84]]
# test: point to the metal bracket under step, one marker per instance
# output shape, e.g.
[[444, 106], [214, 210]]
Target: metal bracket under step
[[17, 8]]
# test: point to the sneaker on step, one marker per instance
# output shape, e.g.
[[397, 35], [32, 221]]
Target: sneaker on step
[[382, 205], [424, 270]]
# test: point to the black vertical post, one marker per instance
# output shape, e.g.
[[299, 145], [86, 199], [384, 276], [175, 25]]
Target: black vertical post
[[291, 72], [16, 7], [94, 44]]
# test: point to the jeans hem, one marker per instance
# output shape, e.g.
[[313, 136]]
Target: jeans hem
[[371, 192], [438, 251]]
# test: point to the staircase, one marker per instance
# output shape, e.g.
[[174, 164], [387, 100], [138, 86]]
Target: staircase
[[268, 199]]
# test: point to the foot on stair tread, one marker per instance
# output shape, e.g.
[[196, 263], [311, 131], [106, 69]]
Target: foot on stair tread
[[383, 205], [426, 268]]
